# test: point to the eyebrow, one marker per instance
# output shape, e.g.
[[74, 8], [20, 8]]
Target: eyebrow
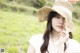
[[59, 16]]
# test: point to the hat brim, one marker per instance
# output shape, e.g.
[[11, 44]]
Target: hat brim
[[44, 12]]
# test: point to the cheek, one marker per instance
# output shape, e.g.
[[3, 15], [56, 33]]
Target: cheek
[[54, 24]]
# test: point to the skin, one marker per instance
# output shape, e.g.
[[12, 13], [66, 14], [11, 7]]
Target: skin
[[60, 33]]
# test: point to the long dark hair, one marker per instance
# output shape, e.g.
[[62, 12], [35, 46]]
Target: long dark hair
[[48, 30]]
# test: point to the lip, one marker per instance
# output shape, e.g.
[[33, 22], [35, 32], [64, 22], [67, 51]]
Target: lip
[[60, 26]]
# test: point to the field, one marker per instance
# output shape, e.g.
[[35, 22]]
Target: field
[[16, 28]]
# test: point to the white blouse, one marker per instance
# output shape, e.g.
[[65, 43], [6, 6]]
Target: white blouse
[[37, 40]]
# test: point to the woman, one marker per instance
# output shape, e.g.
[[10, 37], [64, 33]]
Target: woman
[[58, 35]]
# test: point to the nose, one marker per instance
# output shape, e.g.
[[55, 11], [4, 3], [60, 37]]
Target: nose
[[61, 20]]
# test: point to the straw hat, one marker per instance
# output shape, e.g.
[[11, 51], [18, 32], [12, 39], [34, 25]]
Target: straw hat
[[63, 8]]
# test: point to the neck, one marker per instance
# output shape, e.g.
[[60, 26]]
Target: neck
[[54, 35]]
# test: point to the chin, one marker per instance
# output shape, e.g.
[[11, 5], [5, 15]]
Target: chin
[[59, 30]]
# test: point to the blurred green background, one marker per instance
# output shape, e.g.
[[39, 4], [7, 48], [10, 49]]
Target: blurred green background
[[19, 21]]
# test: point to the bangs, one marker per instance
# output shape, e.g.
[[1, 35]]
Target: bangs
[[53, 14]]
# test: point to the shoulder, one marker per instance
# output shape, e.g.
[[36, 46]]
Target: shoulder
[[36, 40], [73, 46], [73, 42], [37, 37]]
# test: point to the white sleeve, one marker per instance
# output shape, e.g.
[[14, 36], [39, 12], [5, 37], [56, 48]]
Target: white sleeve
[[36, 40], [32, 41], [73, 47]]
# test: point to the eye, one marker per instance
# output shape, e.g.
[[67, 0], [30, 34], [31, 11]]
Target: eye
[[57, 16], [63, 19]]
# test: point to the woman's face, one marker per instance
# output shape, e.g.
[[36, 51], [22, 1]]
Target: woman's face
[[58, 23]]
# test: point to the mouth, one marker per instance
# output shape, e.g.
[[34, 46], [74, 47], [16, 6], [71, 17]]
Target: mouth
[[61, 27]]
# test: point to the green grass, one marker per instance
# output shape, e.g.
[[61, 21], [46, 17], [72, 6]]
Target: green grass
[[17, 28], [77, 31]]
